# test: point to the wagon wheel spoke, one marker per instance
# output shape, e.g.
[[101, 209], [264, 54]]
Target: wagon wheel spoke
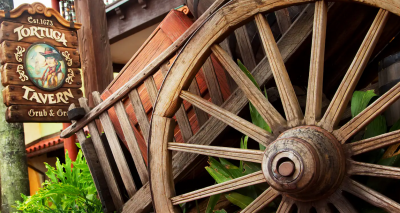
[[286, 205], [255, 156], [370, 144], [346, 88], [303, 208], [341, 203], [370, 196], [261, 201], [314, 91], [258, 134], [367, 115], [367, 169], [291, 105], [255, 96], [248, 180], [323, 208]]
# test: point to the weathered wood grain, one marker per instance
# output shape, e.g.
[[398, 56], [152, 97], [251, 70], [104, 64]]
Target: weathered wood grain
[[370, 144], [367, 169], [255, 96], [370, 196], [130, 139], [212, 82], [246, 51], [201, 116], [140, 113], [342, 96], [258, 134], [315, 81], [368, 114], [341, 203], [248, 155], [291, 105], [116, 148], [286, 205], [151, 88], [263, 200], [237, 183], [104, 161]]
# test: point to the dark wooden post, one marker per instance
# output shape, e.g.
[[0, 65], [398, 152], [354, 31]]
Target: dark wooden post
[[94, 46]]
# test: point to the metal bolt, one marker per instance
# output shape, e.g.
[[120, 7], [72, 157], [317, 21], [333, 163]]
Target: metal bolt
[[12, 88], [7, 44], [11, 78], [5, 24], [286, 168], [7, 34]]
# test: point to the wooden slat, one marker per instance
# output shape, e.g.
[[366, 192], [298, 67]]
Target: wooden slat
[[255, 96], [341, 203], [151, 88], [140, 113], [367, 169], [315, 81], [343, 95], [94, 165], [146, 72], [202, 117], [140, 202], [286, 205], [212, 82], [368, 114], [283, 19], [291, 105], [231, 83], [258, 134], [180, 115], [370, 196], [261, 201], [116, 148], [131, 141], [247, 180], [104, 161], [374, 143], [246, 51], [248, 155]]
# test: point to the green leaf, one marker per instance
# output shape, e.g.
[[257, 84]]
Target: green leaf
[[396, 126], [249, 75], [218, 171], [212, 202], [239, 200], [376, 127], [360, 101]]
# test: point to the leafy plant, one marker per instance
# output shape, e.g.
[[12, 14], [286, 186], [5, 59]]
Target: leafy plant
[[68, 190]]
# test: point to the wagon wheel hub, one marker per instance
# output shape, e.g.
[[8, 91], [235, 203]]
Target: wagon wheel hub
[[306, 163]]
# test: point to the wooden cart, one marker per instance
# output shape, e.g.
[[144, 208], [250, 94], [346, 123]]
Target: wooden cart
[[310, 181]]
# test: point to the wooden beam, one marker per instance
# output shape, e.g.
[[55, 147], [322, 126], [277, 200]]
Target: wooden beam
[[94, 46]]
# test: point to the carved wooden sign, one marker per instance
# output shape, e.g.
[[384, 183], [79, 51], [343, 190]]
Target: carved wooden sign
[[39, 64]]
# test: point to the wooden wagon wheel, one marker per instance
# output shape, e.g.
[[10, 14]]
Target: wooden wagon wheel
[[307, 160]]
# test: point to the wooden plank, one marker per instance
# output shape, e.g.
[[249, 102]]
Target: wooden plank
[[39, 114], [116, 148], [10, 76], [140, 113], [8, 52], [29, 33], [151, 88], [104, 161], [246, 51], [23, 95], [130, 139], [97, 173], [232, 84], [283, 19], [212, 82], [143, 74], [140, 202], [262, 201], [94, 45], [202, 117]]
